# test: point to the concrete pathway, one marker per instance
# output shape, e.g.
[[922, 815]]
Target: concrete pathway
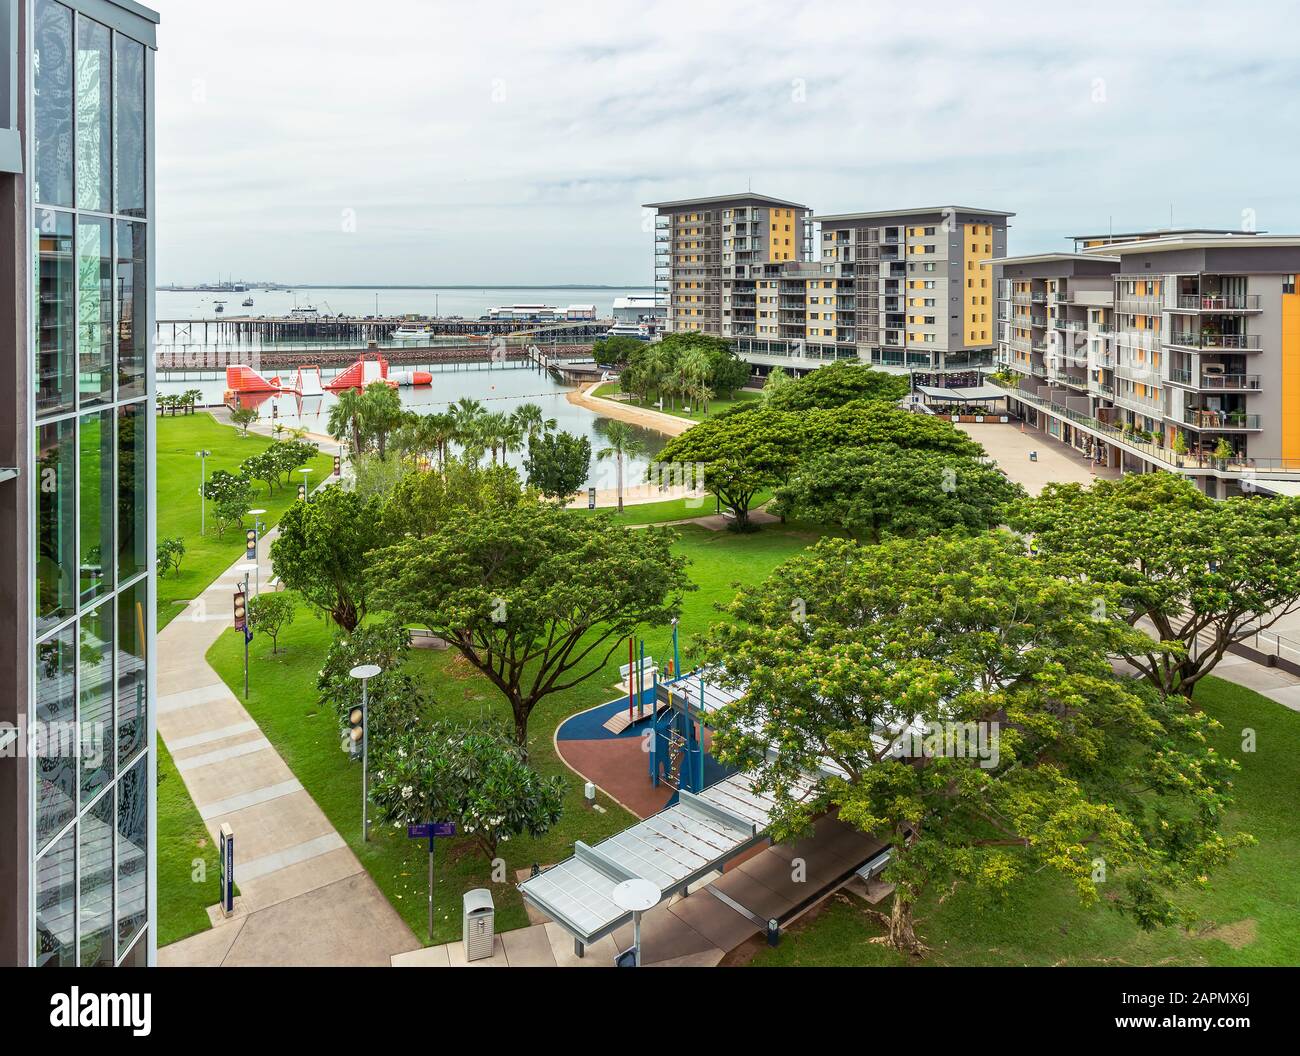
[[304, 897], [1056, 462]]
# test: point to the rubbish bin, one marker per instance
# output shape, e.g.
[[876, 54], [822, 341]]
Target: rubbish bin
[[478, 925]]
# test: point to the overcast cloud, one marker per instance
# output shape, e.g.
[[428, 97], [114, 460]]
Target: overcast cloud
[[409, 142]]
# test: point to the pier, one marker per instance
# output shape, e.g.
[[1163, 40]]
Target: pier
[[263, 331]]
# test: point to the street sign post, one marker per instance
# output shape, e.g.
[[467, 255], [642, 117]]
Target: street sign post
[[591, 498], [227, 869], [431, 831]]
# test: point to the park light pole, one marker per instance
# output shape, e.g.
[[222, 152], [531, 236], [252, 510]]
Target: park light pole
[[242, 621], [259, 527], [364, 672], [302, 488], [203, 456]]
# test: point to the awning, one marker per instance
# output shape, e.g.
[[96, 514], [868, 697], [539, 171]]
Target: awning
[[978, 394], [1289, 488]]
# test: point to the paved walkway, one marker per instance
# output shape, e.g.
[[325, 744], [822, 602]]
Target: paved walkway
[[1056, 462], [304, 897]]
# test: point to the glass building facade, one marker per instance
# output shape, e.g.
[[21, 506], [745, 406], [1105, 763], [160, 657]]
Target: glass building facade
[[83, 290]]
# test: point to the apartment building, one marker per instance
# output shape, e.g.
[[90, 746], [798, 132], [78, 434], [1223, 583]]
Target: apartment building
[[1163, 350], [709, 250], [915, 288], [77, 597]]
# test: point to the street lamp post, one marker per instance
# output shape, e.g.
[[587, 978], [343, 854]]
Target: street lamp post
[[302, 488], [202, 456], [365, 672], [242, 620], [259, 526]]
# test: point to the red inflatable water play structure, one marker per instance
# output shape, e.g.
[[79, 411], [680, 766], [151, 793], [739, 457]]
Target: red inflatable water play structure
[[243, 381]]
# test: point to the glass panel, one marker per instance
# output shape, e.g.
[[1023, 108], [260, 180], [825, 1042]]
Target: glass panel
[[56, 526], [56, 902], [94, 310], [132, 309], [52, 103], [56, 737], [53, 312], [95, 476], [128, 144], [132, 489], [95, 692], [94, 115], [95, 902], [132, 619], [132, 847]]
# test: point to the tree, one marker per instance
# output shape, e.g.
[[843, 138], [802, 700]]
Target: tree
[[374, 478], [169, 554], [882, 491], [262, 466], [381, 414], [472, 776], [272, 612], [865, 422], [615, 351], [622, 442], [740, 454], [396, 702], [1200, 573], [557, 464], [322, 549], [241, 416], [777, 379], [345, 419], [531, 422], [837, 384], [231, 496], [953, 697], [534, 597], [421, 502]]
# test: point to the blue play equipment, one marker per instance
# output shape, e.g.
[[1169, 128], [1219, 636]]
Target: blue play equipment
[[677, 745]]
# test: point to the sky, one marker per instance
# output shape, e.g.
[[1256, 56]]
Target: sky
[[407, 142]]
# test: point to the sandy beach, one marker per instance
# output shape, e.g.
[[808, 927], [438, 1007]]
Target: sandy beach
[[668, 424]]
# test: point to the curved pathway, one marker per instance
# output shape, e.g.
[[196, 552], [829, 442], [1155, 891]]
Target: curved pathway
[[305, 898]]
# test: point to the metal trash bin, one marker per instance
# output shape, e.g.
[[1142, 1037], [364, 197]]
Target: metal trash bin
[[478, 924]]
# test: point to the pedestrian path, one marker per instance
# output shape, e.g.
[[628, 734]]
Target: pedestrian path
[[304, 897]]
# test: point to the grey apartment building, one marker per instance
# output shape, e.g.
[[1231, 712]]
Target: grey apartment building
[[909, 289], [1175, 350], [77, 600]]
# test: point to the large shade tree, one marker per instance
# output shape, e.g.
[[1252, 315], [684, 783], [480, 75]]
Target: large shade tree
[[1200, 574], [321, 551], [837, 384], [880, 491], [953, 697], [534, 597]]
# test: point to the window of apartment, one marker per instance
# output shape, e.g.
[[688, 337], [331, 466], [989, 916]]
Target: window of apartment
[[1288, 284], [929, 231]]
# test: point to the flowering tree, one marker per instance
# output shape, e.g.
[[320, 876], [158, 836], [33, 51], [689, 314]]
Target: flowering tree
[[474, 776]]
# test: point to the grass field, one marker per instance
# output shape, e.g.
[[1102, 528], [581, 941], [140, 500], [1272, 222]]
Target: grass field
[[669, 510], [188, 870], [1247, 915], [283, 702], [610, 390], [207, 556]]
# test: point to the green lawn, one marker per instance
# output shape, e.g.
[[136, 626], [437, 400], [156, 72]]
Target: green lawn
[[283, 702], [207, 556], [668, 510], [1247, 915], [610, 390], [188, 870]]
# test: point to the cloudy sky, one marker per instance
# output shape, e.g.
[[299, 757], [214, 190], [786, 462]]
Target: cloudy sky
[[507, 142]]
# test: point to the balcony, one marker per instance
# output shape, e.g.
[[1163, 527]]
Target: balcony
[[1203, 340], [1248, 302], [1216, 382], [1217, 421]]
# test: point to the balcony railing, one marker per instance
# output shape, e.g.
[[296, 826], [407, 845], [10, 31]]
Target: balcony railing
[[1200, 418], [1247, 302], [1224, 382], [1249, 342]]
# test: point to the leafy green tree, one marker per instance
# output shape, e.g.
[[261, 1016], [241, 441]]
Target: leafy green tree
[[231, 495], [1201, 574], [397, 703], [615, 351], [262, 466], [621, 442], [777, 379], [421, 502], [473, 776], [375, 478], [271, 613], [169, 554], [741, 454], [866, 422], [381, 415], [534, 597], [558, 463], [882, 491], [953, 697], [837, 384], [241, 416], [346, 417], [322, 548]]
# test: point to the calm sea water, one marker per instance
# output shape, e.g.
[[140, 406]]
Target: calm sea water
[[498, 389]]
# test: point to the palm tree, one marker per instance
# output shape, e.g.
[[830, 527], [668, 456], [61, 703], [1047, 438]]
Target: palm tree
[[528, 416], [495, 427], [623, 441], [696, 369], [439, 430], [466, 417], [345, 418]]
